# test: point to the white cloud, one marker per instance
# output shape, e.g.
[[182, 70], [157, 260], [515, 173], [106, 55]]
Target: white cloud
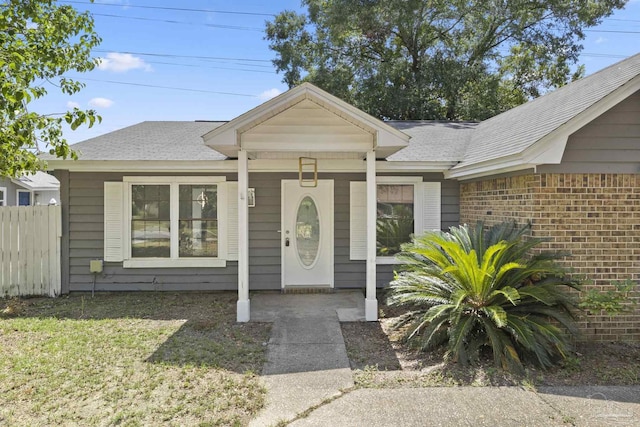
[[600, 40], [121, 62], [100, 102], [72, 104], [268, 94]]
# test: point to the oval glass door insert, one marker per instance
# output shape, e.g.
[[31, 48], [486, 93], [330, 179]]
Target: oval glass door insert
[[307, 231]]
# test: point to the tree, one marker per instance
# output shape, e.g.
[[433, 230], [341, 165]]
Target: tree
[[40, 41], [473, 288], [436, 59]]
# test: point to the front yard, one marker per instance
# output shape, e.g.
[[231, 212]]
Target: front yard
[[129, 359]]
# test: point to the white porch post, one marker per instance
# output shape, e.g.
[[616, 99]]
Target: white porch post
[[371, 303], [243, 307]]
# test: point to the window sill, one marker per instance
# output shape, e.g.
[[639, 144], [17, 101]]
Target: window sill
[[174, 263]]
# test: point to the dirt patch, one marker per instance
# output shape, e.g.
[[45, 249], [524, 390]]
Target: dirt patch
[[380, 359]]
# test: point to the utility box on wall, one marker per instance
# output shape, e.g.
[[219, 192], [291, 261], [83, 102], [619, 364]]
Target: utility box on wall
[[95, 266]]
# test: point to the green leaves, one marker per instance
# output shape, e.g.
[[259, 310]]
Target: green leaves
[[482, 288], [407, 60], [40, 41]]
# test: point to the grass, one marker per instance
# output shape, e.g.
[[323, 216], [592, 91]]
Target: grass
[[129, 360]]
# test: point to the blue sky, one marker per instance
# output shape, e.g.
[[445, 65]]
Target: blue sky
[[233, 73]]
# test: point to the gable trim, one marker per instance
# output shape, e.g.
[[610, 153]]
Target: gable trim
[[226, 139]]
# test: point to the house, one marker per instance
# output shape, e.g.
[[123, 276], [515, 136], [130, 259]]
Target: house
[[38, 188], [306, 191]]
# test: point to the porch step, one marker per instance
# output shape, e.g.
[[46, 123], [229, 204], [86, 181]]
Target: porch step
[[308, 290]]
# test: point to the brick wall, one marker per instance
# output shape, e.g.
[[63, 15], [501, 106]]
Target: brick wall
[[595, 217]]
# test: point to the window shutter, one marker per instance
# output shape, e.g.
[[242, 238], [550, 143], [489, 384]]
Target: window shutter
[[113, 221], [358, 221], [431, 206], [232, 221]]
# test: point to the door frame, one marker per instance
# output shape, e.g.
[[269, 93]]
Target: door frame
[[330, 237]]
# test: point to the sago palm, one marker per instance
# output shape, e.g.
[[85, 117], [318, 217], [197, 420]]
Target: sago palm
[[472, 288]]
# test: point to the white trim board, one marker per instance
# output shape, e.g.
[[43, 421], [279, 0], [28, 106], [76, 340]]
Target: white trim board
[[231, 166]]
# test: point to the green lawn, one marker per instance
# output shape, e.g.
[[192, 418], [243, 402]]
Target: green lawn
[[129, 359]]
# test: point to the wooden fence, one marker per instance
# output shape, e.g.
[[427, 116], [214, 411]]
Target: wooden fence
[[30, 250]]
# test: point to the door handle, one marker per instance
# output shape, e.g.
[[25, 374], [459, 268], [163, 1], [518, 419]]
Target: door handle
[[286, 241]]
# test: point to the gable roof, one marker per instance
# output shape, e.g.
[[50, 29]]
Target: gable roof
[[517, 130], [227, 138], [526, 136]]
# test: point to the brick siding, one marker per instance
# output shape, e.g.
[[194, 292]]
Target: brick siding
[[595, 217]]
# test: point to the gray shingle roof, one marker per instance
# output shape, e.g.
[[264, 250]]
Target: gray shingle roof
[[151, 141], [38, 181], [517, 129], [433, 140], [468, 143]]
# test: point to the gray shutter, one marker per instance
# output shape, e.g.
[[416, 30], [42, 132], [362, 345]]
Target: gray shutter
[[431, 207], [232, 221], [113, 221], [358, 221]]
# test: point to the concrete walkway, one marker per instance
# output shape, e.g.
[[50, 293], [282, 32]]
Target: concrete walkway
[[307, 361], [481, 406]]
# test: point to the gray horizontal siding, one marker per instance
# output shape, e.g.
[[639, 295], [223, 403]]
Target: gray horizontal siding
[[264, 239], [86, 226], [608, 144], [10, 189]]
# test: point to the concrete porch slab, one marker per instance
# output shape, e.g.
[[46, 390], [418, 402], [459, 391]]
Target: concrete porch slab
[[268, 306]]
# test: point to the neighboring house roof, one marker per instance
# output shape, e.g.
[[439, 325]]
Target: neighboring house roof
[[433, 140], [151, 141], [515, 130], [39, 181]]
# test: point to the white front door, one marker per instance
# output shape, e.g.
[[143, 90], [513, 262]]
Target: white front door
[[307, 234]]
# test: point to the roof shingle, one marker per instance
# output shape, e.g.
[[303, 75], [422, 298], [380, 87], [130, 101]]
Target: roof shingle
[[433, 140], [151, 141], [517, 129]]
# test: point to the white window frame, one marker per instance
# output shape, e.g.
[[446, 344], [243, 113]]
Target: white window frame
[[418, 205], [174, 260], [3, 200], [18, 197]]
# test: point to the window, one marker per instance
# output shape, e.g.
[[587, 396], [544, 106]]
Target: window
[[24, 197], [150, 221], [395, 223], [198, 221], [405, 206], [173, 221], [3, 196]]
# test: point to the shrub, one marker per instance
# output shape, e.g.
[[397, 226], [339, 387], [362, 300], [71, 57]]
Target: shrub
[[471, 289]]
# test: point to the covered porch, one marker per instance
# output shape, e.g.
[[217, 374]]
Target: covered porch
[[306, 123]]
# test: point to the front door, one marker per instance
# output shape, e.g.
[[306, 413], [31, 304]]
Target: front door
[[307, 234]]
